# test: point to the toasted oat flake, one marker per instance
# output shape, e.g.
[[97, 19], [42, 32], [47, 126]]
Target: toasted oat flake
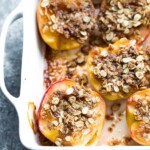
[[46, 106], [126, 60], [85, 110], [72, 111], [104, 53], [55, 123], [103, 73], [139, 74], [91, 120], [137, 17], [58, 143], [53, 18], [79, 124], [69, 91], [122, 71], [85, 131], [109, 36], [68, 138], [45, 3], [86, 19], [140, 58], [148, 1], [55, 100], [74, 20], [123, 19], [141, 113]]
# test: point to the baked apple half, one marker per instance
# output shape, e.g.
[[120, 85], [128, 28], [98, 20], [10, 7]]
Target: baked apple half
[[70, 115], [138, 116], [65, 24], [118, 19], [117, 71]]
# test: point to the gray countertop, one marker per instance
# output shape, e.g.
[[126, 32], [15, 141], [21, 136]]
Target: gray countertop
[[9, 135]]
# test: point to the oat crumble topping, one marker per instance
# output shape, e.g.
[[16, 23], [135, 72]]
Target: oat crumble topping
[[74, 110], [126, 70], [74, 19], [122, 18], [60, 67], [142, 114]]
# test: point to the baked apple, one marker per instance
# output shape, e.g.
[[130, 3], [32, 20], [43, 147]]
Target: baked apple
[[119, 19], [65, 24], [138, 116], [70, 115], [119, 70]]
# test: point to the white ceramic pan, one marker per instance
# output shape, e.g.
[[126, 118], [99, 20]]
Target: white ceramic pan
[[32, 79]]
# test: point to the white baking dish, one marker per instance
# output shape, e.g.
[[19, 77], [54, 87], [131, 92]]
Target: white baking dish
[[32, 75]]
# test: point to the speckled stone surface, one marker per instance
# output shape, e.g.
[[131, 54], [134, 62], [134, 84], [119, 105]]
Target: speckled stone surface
[[9, 135]]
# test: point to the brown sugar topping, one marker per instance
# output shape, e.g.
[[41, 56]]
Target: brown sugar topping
[[122, 18], [73, 19], [128, 69]]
